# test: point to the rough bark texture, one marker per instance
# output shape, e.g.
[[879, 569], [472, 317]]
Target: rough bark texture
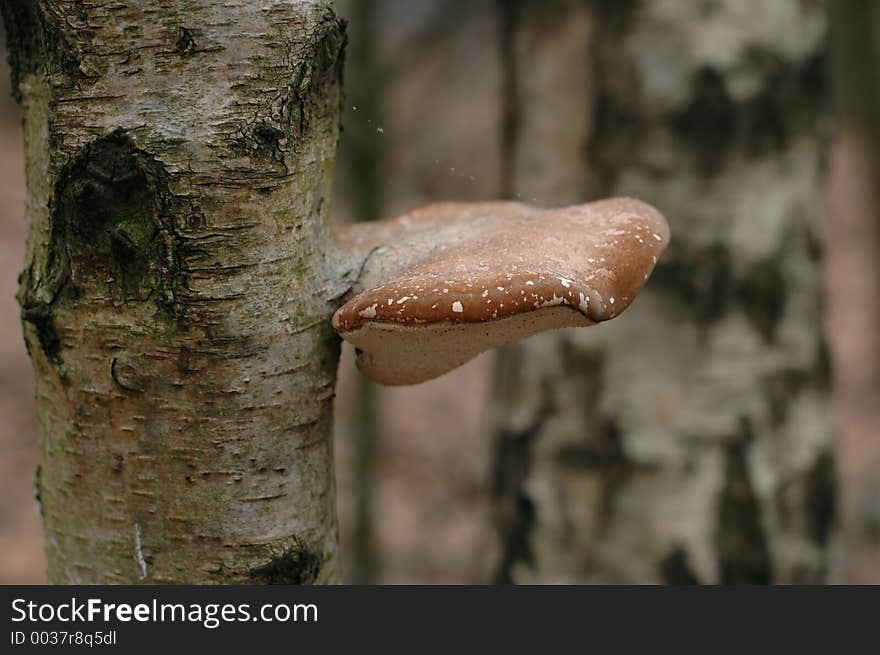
[[175, 298], [690, 440]]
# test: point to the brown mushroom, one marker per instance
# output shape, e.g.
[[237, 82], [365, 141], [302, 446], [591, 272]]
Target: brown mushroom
[[446, 282]]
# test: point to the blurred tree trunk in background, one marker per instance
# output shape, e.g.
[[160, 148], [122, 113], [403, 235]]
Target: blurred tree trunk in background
[[435, 78], [854, 271], [689, 440], [361, 153], [855, 49], [179, 157]]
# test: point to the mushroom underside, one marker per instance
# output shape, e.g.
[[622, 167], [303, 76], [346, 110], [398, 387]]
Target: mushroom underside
[[396, 354]]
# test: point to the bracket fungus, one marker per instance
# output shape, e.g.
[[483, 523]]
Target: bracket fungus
[[446, 282]]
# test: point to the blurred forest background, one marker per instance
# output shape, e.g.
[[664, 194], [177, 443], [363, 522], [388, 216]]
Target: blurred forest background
[[476, 100]]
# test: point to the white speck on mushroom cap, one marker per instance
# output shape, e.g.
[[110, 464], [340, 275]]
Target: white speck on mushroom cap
[[456, 307], [369, 312]]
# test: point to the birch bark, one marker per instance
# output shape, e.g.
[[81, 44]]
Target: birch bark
[[691, 439], [175, 298]]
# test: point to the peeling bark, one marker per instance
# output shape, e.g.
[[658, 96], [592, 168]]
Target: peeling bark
[[691, 440], [175, 299]]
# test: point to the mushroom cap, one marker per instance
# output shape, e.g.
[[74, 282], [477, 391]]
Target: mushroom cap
[[446, 282]]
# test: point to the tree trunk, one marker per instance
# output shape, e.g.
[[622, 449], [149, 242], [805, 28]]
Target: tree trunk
[[361, 156], [854, 33], [175, 296], [854, 272], [689, 440]]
